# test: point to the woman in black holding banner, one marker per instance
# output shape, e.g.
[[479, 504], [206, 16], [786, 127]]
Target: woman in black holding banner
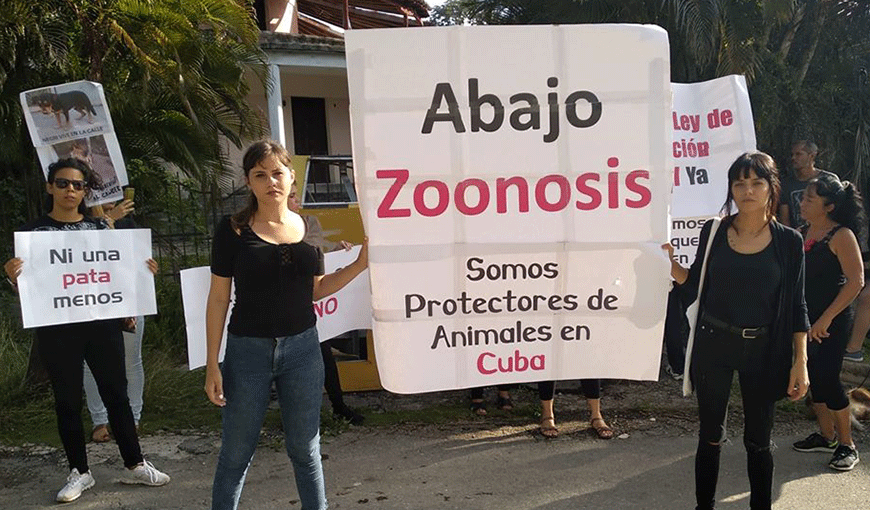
[[63, 348], [748, 278], [271, 336]]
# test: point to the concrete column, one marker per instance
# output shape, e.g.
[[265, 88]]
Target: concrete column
[[276, 106]]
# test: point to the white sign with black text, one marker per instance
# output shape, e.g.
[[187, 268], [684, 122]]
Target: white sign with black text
[[84, 275], [515, 200]]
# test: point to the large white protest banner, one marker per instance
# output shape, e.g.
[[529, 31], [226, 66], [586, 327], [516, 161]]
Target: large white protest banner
[[84, 275], [72, 120], [514, 183], [346, 310], [712, 125]]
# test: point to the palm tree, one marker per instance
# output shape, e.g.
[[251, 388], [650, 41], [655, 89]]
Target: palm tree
[[176, 74]]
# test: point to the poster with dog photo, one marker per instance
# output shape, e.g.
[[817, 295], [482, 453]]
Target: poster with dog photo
[[64, 112], [72, 121], [100, 153]]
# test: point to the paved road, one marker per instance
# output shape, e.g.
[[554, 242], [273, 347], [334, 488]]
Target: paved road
[[434, 469]]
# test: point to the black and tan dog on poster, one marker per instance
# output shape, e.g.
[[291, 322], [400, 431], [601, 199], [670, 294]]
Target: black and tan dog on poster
[[62, 103]]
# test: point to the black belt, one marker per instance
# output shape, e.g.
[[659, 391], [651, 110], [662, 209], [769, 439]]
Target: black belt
[[742, 332]]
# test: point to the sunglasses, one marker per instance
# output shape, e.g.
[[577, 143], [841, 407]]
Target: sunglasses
[[61, 183]]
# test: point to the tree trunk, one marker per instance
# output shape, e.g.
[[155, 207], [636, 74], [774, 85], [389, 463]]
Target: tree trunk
[[811, 51], [788, 38]]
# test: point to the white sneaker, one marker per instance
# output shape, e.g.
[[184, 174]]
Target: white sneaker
[[145, 474], [76, 483]]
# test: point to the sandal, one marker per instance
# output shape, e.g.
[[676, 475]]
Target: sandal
[[100, 434], [504, 404], [478, 408], [549, 430], [603, 432]]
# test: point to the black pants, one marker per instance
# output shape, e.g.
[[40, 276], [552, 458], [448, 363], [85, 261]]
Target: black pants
[[715, 358], [330, 380], [591, 389], [63, 348], [824, 362]]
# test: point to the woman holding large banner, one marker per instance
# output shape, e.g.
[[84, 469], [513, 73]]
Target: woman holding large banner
[[835, 276], [271, 336], [748, 277], [64, 348]]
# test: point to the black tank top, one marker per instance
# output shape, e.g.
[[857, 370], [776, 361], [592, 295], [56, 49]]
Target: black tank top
[[824, 275]]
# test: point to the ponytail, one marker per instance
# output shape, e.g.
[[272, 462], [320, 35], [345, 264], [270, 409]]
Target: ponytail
[[848, 209]]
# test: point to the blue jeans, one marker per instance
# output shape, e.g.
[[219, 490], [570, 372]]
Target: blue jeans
[[250, 365], [135, 378]]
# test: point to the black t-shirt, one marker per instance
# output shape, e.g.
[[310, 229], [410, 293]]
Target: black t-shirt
[[742, 289], [791, 194], [274, 282], [47, 223]]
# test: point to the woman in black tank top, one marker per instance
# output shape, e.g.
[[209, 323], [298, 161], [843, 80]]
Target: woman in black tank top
[[834, 277]]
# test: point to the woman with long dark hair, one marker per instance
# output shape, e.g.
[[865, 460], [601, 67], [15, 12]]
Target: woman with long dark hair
[[835, 275], [752, 319], [64, 348], [271, 336]]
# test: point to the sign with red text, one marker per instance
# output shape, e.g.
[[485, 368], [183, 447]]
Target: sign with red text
[[515, 200], [712, 125], [84, 275], [346, 310]]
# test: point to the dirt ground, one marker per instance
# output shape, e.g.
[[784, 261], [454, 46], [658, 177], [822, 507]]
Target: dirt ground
[[642, 414]]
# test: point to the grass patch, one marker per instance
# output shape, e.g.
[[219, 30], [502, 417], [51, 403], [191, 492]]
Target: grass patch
[[26, 412], [174, 398]]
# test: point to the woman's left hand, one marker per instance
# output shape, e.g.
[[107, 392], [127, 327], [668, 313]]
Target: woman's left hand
[[346, 245], [363, 257], [798, 381], [819, 330], [152, 266]]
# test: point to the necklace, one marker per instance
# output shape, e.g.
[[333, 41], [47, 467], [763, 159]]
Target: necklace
[[734, 236]]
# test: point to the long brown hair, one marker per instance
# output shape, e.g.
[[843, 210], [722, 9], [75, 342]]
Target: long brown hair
[[256, 153]]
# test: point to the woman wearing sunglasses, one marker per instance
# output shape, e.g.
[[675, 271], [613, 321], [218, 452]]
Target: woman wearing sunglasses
[[64, 347], [271, 336]]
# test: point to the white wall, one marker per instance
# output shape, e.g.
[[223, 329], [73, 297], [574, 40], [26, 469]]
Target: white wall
[[328, 84]]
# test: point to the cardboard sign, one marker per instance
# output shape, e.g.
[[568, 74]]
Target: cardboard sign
[[84, 275], [346, 310], [515, 200], [72, 121], [712, 125]]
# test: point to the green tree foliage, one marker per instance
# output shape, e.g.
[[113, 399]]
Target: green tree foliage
[[806, 60], [176, 75]]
